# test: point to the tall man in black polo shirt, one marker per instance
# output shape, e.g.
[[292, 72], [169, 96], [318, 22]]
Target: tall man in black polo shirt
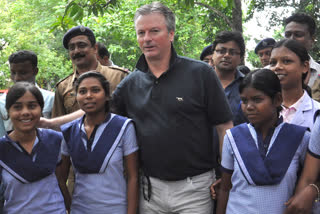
[[174, 102]]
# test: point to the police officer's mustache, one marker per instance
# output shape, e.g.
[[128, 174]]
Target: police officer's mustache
[[79, 55]]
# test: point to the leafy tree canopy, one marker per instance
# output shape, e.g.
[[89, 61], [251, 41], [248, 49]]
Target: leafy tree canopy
[[39, 25], [25, 24]]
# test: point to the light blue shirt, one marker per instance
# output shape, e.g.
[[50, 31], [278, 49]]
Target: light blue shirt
[[252, 199], [314, 145], [105, 192], [314, 148], [6, 124], [42, 196]]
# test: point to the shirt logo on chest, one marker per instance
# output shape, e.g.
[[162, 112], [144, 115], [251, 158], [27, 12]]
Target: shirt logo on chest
[[179, 99]]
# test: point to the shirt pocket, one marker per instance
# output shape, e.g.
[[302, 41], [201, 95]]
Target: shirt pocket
[[70, 101]]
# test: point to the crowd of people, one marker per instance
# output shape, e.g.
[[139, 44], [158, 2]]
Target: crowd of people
[[176, 135]]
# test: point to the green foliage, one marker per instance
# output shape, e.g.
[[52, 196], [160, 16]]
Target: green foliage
[[253, 59], [196, 25], [24, 25], [39, 25], [310, 7]]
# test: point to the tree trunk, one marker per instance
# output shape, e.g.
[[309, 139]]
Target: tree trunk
[[237, 20], [237, 16]]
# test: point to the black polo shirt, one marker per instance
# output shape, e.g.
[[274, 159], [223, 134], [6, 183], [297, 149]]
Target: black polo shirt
[[174, 115]]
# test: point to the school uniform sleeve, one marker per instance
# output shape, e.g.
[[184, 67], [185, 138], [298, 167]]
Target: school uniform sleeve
[[2, 128], [1, 194], [59, 156], [227, 162], [2, 116], [64, 148], [129, 140], [304, 147], [314, 144]]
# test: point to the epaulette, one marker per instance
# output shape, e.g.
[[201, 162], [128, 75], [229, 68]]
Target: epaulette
[[124, 70], [63, 79]]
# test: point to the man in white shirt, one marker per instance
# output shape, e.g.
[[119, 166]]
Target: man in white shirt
[[302, 27], [23, 67]]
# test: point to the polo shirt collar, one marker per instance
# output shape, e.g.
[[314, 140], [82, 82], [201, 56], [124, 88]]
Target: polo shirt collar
[[239, 74], [142, 64], [238, 77]]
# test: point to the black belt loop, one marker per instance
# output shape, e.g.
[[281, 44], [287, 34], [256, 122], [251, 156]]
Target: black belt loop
[[147, 196]]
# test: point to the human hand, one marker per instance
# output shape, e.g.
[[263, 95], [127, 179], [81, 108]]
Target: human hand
[[214, 189], [301, 203]]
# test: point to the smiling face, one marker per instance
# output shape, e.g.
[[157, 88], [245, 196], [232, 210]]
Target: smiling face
[[226, 57], [25, 113], [288, 67], [91, 96], [258, 107], [81, 52], [153, 36]]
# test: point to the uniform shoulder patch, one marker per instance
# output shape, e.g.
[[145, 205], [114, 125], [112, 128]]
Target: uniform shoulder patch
[[63, 79], [124, 70]]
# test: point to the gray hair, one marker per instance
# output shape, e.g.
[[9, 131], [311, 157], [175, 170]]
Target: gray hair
[[157, 7]]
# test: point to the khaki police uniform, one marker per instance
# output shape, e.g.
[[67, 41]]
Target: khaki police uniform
[[65, 96], [316, 90]]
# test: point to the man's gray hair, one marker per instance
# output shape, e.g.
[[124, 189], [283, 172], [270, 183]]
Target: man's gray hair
[[157, 7]]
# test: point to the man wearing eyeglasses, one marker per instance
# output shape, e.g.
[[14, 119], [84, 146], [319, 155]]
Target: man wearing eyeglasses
[[228, 50]]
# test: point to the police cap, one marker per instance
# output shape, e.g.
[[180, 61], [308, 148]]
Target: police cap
[[206, 51], [265, 43], [77, 31]]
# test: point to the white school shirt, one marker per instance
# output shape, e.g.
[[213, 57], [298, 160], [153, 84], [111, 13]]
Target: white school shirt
[[303, 116]]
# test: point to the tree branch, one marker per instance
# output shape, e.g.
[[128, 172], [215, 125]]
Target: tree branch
[[219, 13], [107, 3]]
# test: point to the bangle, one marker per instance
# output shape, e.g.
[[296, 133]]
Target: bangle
[[318, 192]]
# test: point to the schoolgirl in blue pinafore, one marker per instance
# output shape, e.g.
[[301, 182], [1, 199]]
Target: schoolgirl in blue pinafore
[[29, 181], [260, 173], [27, 168], [100, 186], [262, 184], [306, 198], [98, 156], [290, 60]]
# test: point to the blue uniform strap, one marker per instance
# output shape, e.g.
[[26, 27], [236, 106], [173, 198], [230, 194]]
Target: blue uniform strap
[[95, 161], [1, 192], [271, 170], [22, 167], [316, 114]]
